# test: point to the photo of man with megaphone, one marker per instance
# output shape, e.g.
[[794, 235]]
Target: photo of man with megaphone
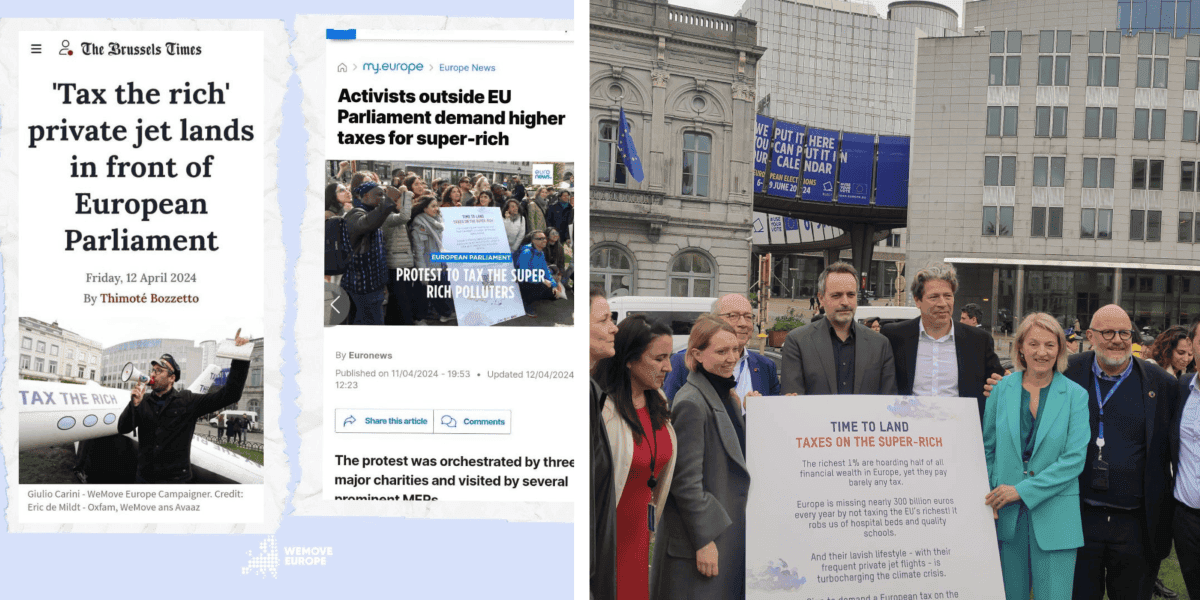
[[165, 418]]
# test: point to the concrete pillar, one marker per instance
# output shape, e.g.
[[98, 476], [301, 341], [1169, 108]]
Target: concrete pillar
[[1116, 299], [1019, 300], [862, 246], [995, 298]]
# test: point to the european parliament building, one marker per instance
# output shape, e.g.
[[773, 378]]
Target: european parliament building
[[1054, 159]]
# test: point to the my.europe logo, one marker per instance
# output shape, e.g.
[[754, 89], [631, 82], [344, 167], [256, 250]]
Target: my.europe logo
[[266, 562], [396, 67]]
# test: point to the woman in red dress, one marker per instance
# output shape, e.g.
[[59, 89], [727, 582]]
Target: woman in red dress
[[643, 443]]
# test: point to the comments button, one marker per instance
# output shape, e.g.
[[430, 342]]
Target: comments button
[[473, 421]]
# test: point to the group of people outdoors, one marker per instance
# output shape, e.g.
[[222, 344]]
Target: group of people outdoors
[[388, 228], [232, 427], [1093, 458]]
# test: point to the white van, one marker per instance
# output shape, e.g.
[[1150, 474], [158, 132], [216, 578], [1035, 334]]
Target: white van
[[886, 314], [253, 416], [677, 313]]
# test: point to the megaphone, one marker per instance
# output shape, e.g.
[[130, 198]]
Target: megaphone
[[132, 372]]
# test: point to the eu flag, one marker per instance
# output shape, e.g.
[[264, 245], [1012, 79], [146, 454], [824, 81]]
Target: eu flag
[[625, 145]]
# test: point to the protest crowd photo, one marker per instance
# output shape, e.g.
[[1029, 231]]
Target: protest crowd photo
[[385, 247]]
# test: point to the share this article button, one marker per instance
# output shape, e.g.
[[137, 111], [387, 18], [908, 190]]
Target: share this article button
[[473, 421], [383, 420]]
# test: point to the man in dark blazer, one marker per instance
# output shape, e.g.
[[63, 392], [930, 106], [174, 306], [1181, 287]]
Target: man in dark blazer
[[755, 373], [1185, 457], [837, 355], [1126, 505], [926, 371]]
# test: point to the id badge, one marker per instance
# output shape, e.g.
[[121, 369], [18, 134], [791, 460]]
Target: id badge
[[1099, 475], [650, 517]]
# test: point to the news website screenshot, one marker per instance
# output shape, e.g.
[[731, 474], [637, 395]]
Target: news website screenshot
[[448, 298]]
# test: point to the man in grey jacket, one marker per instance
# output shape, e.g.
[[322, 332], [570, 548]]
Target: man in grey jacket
[[837, 355]]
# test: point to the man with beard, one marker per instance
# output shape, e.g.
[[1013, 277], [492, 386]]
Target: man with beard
[[936, 356], [1125, 488], [166, 418], [837, 355], [755, 374]]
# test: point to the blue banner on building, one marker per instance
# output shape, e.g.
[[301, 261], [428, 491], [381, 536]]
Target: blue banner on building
[[820, 155], [762, 151], [855, 161], [788, 150], [891, 177]]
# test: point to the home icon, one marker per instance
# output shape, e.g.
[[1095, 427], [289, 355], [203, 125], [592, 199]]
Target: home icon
[[342, 68]]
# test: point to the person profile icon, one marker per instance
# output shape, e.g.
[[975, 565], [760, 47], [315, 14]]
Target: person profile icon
[[66, 49]]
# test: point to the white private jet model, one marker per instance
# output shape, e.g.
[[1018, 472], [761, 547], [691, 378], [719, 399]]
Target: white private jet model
[[58, 413]]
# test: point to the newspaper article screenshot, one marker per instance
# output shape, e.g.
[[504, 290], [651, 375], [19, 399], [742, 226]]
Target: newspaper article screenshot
[[135, 252], [447, 233]]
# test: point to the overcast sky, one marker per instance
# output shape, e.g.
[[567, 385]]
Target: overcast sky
[[729, 7]]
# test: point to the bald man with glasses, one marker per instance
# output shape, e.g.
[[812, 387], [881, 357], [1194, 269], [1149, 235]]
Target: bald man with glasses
[[755, 374], [1125, 490]]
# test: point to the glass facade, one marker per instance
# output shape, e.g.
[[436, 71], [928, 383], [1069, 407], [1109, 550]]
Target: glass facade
[[1175, 17], [1158, 300]]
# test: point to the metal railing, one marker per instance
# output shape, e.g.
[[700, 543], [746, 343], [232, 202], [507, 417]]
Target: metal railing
[[227, 440]]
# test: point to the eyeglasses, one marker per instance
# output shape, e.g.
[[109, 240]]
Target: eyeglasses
[[1107, 334], [737, 316]]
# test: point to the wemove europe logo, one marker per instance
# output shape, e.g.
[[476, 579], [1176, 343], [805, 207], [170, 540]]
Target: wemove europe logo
[[266, 562]]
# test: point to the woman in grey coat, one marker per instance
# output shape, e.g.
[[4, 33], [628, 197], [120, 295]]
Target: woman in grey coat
[[700, 548], [425, 229]]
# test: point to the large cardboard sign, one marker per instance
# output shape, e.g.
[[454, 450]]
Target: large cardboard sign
[[868, 497]]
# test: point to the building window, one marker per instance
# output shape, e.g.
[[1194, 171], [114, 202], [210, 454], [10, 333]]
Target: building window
[[70, 353], [53, 349], [81, 369], [42, 347], [25, 360], [692, 275], [612, 270], [54, 367], [1005, 69], [1002, 121], [1187, 219], [1104, 60], [93, 377], [1145, 224], [39, 364], [1152, 70], [256, 378], [1054, 58], [1149, 124], [1189, 125], [1100, 122], [26, 343], [611, 167], [697, 152], [1051, 121], [1048, 172], [1096, 221], [999, 172]]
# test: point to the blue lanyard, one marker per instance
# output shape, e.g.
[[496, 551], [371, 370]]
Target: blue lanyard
[[1102, 402]]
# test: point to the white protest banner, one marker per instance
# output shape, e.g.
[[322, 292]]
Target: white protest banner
[[476, 250], [868, 498]]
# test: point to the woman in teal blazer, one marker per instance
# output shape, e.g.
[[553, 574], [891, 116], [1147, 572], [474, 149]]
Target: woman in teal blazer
[[1035, 437]]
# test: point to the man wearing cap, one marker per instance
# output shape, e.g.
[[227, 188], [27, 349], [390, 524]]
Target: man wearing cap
[[166, 418]]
